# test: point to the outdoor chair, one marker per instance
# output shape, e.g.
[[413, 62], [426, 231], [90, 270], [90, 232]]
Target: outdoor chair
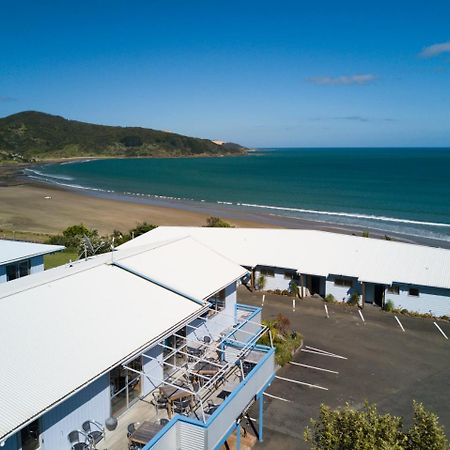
[[182, 406], [94, 430], [160, 401], [79, 440], [163, 422], [132, 428]]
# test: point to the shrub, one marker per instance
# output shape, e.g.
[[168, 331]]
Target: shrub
[[140, 229], [354, 299], [329, 298], [445, 318], [284, 340], [349, 429], [389, 306], [261, 282], [426, 433], [365, 234], [217, 222], [293, 288]]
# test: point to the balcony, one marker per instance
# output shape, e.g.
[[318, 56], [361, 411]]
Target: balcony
[[207, 391]]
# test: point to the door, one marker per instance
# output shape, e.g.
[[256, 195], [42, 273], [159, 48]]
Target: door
[[378, 295], [315, 285]]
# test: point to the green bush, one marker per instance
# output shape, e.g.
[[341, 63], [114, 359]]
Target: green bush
[[350, 429], [389, 306], [293, 288], [329, 298], [354, 299], [217, 222], [426, 433], [139, 229], [285, 340], [261, 282]]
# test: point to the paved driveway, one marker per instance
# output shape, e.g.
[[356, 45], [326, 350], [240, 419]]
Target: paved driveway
[[384, 365]]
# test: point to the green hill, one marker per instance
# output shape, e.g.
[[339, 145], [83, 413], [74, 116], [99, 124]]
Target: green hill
[[31, 135]]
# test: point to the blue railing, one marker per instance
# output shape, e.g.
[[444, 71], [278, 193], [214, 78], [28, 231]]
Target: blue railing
[[195, 422]]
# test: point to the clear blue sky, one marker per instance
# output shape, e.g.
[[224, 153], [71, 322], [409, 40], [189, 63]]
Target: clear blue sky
[[279, 73]]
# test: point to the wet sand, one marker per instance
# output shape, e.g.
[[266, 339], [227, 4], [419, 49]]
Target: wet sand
[[29, 206]]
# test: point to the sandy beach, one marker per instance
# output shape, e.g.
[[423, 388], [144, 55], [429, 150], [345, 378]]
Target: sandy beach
[[37, 209]]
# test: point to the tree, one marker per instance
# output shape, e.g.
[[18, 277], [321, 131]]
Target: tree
[[350, 429], [72, 236]]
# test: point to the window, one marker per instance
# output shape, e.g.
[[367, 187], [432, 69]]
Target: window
[[413, 292], [289, 275], [217, 302], [29, 436], [125, 386], [267, 272], [343, 282], [17, 270], [393, 290]]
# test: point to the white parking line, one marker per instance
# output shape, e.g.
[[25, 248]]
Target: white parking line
[[324, 352], [302, 383], [293, 304], [440, 329], [360, 314], [277, 398], [398, 321], [326, 310], [313, 367], [263, 298]]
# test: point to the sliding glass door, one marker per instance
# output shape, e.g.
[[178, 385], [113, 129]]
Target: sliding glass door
[[125, 385]]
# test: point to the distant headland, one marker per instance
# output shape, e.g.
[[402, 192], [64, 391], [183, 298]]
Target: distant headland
[[32, 136]]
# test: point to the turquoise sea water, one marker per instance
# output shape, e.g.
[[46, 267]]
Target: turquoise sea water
[[403, 190]]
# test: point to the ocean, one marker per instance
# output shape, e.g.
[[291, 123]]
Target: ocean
[[403, 190]]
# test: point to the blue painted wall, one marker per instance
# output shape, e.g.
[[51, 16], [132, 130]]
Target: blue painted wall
[[36, 265]]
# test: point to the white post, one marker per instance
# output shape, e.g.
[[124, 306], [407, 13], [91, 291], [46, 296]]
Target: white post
[[263, 298], [326, 310], [400, 324], [293, 304], [360, 313], [440, 329]]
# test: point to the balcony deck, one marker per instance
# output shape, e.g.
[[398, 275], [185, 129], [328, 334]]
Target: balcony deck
[[219, 387]]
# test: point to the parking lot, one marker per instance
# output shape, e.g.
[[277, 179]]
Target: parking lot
[[373, 360]]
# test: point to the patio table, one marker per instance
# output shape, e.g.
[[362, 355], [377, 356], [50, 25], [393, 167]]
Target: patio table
[[145, 432], [172, 394]]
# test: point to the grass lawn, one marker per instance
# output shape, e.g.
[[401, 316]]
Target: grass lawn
[[28, 236], [59, 258]]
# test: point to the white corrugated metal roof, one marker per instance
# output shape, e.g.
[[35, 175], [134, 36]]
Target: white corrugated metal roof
[[11, 251], [66, 326], [186, 266], [320, 253], [59, 336]]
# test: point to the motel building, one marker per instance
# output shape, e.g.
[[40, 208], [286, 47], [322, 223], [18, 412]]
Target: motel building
[[19, 259], [144, 347], [413, 277]]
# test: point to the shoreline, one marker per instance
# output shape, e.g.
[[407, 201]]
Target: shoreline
[[107, 211]]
